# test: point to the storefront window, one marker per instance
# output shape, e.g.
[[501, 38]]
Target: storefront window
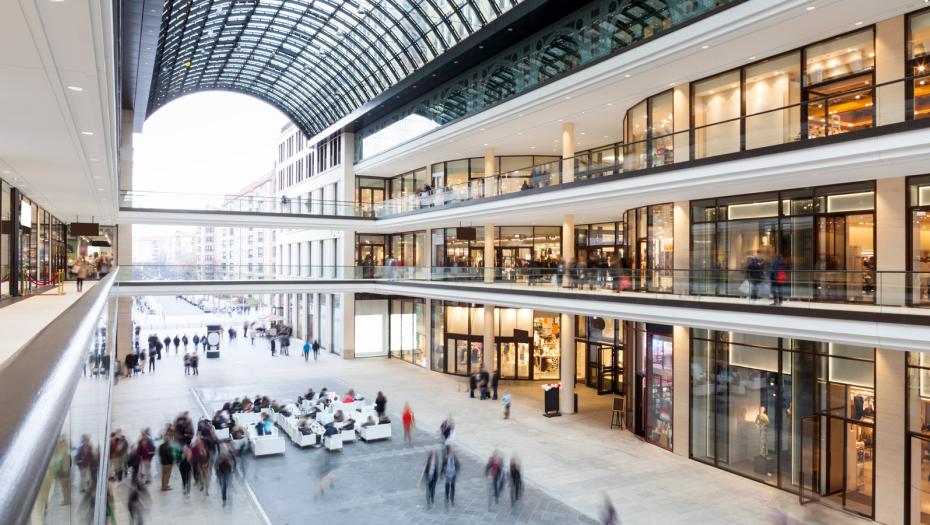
[[918, 202], [918, 47], [546, 350], [918, 440], [661, 129], [371, 325], [658, 399], [407, 330], [661, 247], [784, 412], [601, 356], [6, 227], [514, 334], [773, 92], [823, 236], [839, 84], [438, 327], [464, 338], [716, 112], [635, 131]]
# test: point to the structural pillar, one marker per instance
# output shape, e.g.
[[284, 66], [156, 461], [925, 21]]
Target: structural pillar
[[890, 256], [428, 336], [889, 67], [681, 381], [489, 262], [16, 269], [488, 348], [347, 306], [568, 152], [567, 364], [890, 394], [490, 169], [124, 325], [568, 240], [681, 261]]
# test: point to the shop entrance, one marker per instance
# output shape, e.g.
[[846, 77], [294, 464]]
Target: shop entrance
[[370, 199], [609, 368], [373, 250], [467, 352], [514, 359], [513, 257], [836, 462]]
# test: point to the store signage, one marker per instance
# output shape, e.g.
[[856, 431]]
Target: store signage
[[25, 214], [90, 229]]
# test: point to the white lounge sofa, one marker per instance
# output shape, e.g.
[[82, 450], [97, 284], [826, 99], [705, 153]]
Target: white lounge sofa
[[375, 432], [245, 419], [333, 442], [268, 444]]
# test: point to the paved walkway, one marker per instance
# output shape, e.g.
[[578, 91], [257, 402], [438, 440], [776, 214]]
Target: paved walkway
[[569, 462], [22, 320]]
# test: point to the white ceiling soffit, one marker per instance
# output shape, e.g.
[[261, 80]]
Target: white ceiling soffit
[[596, 98], [58, 105]]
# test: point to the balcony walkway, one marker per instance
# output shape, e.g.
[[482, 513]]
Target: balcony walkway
[[23, 319], [893, 327], [569, 462]]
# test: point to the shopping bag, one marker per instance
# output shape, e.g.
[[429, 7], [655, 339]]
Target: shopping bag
[[745, 287]]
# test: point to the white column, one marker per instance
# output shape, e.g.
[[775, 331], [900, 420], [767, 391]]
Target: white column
[[567, 364], [891, 238], [681, 110], [490, 169], [346, 255], [682, 247], [348, 325], [568, 239], [681, 381], [489, 348], [428, 312], [124, 331], [568, 151], [889, 66], [305, 259], [890, 381], [489, 262]]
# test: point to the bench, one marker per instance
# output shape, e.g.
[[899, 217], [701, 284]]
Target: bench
[[267, 444]]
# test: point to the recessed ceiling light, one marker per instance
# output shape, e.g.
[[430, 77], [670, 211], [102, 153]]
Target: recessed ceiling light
[[519, 133], [532, 147], [627, 76], [811, 7], [859, 23], [560, 120], [583, 133], [76, 88], [610, 103], [87, 133], [605, 136], [705, 47], [671, 83], [482, 129], [92, 159], [520, 115], [485, 145], [99, 189], [752, 58], [568, 98]]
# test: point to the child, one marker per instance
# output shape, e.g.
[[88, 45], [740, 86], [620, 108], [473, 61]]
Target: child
[[506, 402]]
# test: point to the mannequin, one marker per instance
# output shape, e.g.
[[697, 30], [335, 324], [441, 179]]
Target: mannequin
[[762, 422]]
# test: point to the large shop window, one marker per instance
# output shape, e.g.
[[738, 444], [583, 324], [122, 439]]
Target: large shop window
[[650, 233], [798, 415], [527, 343], [408, 330], [918, 438], [653, 413], [464, 338], [5, 231], [371, 325], [918, 49], [716, 107], [824, 236], [839, 84], [918, 264], [648, 132]]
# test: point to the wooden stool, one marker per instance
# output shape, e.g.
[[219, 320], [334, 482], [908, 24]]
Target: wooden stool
[[618, 414]]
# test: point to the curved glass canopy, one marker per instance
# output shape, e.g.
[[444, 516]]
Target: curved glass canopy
[[315, 60]]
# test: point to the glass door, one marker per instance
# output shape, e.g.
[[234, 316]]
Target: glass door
[[918, 512], [370, 199], [461, 359]]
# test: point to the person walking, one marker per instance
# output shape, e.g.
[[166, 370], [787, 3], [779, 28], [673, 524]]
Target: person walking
[[505, 402], [151, 357], [755, 271], [185, 467], [516, 480], [494, 471], [272, 346], [196, 340], [203, 342], [408, 420], [168, 345], [316, 349], [380, 404], [430, 477], [80, 269], [224, 469], [146, 446], [138, 500], [779, 279], [185, 341], [166, 458], [495, 379], [195, 363], [450, 472], [609, 513], [307, 351], [177, 344], [245, 329]]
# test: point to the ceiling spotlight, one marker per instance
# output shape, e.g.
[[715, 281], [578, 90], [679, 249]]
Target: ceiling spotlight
[[811, 7], [627, 76], [610, 103], [705, 47], [92, 159], [88, 133], [76, 88], [859, 23]]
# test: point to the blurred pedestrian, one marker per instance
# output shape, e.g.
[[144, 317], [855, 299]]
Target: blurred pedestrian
[[494, 472], [430, 477], [185, 340], [184, 468], [505, 402], [380, 404], [408, 420], [516, 480], [609, 513], [166, 458], [177, 344], [450, 472], [138, 501], [307, 351], [316, 349], [225, 466]]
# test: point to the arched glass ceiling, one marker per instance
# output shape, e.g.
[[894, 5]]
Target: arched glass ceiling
[[316, 60]]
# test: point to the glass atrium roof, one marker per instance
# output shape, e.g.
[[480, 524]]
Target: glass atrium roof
[[316, 60]]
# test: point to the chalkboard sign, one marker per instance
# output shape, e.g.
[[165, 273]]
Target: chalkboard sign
[[551, 400]]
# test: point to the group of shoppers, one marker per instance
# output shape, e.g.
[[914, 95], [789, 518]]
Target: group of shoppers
[[84, 268], [762, 274]]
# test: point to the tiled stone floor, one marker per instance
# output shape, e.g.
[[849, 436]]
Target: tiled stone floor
[[570, 462]]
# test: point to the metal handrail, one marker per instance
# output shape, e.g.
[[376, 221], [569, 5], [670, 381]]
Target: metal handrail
[[38, 385]]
